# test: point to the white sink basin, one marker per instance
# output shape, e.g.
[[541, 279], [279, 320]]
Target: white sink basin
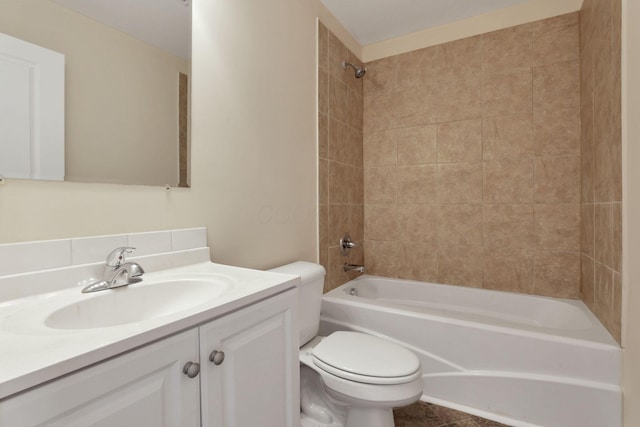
[[135, 303]]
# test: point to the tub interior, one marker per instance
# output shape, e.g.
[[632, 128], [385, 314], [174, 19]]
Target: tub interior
[[570, 318]]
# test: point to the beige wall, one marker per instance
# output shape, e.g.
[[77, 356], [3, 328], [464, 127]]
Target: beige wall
[[341, 194], [121, 95], [631, 210], [601, 161], [254, 129], [472, 161]]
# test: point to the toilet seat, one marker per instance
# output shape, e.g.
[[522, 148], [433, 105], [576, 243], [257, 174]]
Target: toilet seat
[[365, 359]]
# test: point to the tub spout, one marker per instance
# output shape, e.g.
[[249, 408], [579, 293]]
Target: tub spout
[[353, 267]]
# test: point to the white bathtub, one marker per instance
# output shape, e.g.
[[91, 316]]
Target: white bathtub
[[518, 359]]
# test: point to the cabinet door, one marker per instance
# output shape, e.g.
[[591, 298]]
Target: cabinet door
[[143, 388], [257, 383]]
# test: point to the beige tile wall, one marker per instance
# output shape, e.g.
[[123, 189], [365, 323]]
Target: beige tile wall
[[600, 22], [472, 161], [341, 200]]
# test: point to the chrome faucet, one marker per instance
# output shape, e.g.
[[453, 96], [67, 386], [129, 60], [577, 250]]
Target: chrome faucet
[[353, 267], [117, 272]]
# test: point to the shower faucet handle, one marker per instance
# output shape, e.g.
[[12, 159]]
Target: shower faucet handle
[[346, 244]]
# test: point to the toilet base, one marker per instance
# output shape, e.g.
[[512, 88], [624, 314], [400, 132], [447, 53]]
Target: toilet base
[[369, 417]]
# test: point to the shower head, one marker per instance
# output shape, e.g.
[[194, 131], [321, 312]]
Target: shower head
[[359, 71]]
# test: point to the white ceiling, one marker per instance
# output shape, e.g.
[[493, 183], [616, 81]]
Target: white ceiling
[[372, 21], [163, 23]]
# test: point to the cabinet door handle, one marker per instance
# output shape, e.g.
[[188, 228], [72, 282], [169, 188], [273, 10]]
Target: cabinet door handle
[[191, 369], [217, 357]]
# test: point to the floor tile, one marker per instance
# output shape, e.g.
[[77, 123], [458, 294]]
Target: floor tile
[[422, 414]]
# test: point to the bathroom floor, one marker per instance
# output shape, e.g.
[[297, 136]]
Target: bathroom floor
[[422, 414]]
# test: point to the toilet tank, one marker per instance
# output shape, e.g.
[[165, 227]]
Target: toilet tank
[[309, 296]]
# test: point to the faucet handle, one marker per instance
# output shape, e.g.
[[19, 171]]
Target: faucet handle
[[116, 258], [346, 244]]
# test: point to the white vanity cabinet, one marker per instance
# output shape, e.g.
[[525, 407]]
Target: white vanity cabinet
[[143, 388], [255, 384]]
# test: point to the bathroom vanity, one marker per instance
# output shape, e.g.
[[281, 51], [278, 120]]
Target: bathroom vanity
[[202, 344]]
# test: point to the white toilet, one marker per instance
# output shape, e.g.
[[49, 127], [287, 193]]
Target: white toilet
[[347, 379]]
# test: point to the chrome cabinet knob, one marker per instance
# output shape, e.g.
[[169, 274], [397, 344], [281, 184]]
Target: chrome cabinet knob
[[191, 369], [217, 357]]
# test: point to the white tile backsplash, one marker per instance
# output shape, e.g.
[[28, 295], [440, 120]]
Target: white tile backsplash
[[95, 249], [26, 257], [150, 243], [189, 238], [31, 256]]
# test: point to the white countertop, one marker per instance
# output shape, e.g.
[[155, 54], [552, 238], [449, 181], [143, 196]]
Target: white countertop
[[32, 353]]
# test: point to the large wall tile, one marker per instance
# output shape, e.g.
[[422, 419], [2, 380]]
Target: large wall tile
[[556, 86], [587, 228], [383, 258], [345, 143], [323, 91], [557, 180], [557, 132], [615, 317], [414, 68], [509, 270], [460, 265], [338, 100], [378, 112], [603, 293], [419, 262], [458, 99], [460, 182], [414, 107], [507, 137], [460, 224], [323, 227], [588, 293], [508, 226], [556, 39], [323, 136], [380, 185], [603, 234], [381, 77], [507, 49], [557, 274], [416, 145], [380, 148], [460, 141], [460, 59], [508, 181], [558, 227], [416, 223], [417, 184], [381, 222], [323, 181], [509, 92]]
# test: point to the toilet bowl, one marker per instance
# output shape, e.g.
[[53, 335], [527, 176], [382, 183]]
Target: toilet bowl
[[348, 379]]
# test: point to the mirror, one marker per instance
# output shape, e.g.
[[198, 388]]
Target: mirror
[[126, 84]]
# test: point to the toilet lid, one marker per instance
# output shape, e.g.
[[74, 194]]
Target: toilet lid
[[364, 358]]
